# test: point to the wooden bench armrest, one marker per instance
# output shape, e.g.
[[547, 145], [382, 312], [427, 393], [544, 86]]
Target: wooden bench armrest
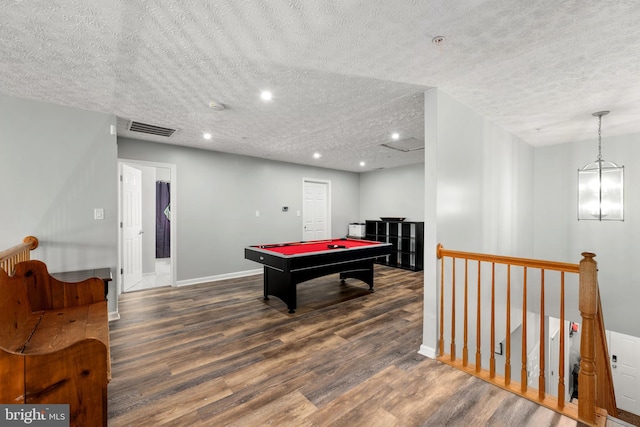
[[46, 292]]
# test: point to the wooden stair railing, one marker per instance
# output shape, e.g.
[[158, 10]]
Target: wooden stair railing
[[20, 252], [595, 382]]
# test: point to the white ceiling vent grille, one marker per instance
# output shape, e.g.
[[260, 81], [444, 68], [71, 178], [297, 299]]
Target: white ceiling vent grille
[[151, 129], [406, 145]]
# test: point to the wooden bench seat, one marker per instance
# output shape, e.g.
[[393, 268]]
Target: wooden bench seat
[[54, 342]]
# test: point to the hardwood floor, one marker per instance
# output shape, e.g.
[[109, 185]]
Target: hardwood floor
[[217, 354]]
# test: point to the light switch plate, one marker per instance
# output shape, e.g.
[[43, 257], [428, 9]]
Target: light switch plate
[[98, 213]]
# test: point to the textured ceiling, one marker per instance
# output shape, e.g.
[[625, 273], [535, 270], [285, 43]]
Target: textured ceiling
[[344, 74]]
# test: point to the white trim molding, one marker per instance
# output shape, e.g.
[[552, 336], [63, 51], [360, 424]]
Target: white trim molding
[[428, 351], [218, 277]]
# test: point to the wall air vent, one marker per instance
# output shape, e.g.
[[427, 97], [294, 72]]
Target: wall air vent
[[406, 145], [151, 129]]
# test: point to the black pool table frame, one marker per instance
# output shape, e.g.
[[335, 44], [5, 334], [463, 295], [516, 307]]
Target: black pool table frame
[[282, 273]]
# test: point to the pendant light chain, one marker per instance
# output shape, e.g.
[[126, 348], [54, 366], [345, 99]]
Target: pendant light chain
[[600, 138], [599, 115]]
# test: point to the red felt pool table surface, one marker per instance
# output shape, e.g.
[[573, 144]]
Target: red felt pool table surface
[[316, 246]]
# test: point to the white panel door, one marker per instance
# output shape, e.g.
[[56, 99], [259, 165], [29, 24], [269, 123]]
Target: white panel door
[[315, 211], [624, 351], [131, 226]]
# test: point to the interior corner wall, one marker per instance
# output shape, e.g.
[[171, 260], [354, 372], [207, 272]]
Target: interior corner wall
[[59, 164], [558, 235], [218, 195], [485, 184], [430, 290], [395, 192], [483, 195]]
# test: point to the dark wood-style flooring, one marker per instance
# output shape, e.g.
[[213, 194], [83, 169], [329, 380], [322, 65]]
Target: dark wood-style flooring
[[216, 354]]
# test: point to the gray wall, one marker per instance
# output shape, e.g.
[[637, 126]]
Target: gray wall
[[485, 184], [57, 164], [478, 194], [395, 192], [560, 236], [218, 194]]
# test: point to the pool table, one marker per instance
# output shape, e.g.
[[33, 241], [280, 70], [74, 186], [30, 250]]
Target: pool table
[[287, 264]]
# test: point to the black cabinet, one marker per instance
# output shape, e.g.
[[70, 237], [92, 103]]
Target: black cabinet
[[407, 242]]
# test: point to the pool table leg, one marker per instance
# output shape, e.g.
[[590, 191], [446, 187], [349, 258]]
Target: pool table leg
[[365, 274], [280, 285], [265, 288]]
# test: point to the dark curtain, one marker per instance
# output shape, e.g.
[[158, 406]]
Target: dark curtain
[[163, 220]]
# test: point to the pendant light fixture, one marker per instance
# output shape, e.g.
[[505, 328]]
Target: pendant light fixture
[[601, 186]]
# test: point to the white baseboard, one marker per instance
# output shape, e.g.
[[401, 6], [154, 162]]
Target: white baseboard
[[114, 315], [428, 351], [218, 277]]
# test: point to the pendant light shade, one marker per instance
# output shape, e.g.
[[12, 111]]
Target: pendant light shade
[[601, 186]]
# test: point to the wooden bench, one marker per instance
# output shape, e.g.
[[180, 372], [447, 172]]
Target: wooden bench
[[54, 342]]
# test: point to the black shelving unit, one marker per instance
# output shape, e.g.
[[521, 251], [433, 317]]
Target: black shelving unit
[[406, 238]]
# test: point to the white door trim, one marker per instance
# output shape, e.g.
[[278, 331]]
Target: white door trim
[[174, 216], [327, 183]]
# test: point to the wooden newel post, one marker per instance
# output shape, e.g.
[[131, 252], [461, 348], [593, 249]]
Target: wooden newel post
[[32, 241], [588, 295]]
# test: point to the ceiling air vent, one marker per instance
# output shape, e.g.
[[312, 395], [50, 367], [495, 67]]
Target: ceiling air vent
[[151, 129], [406, 145]]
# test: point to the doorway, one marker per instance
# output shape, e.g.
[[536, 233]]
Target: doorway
[[157, 226], [316, 209]]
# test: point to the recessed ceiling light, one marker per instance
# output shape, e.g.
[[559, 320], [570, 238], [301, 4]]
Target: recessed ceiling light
[[266, 95], [206, 135], [362, 163], [395, 135], [317, 155]]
